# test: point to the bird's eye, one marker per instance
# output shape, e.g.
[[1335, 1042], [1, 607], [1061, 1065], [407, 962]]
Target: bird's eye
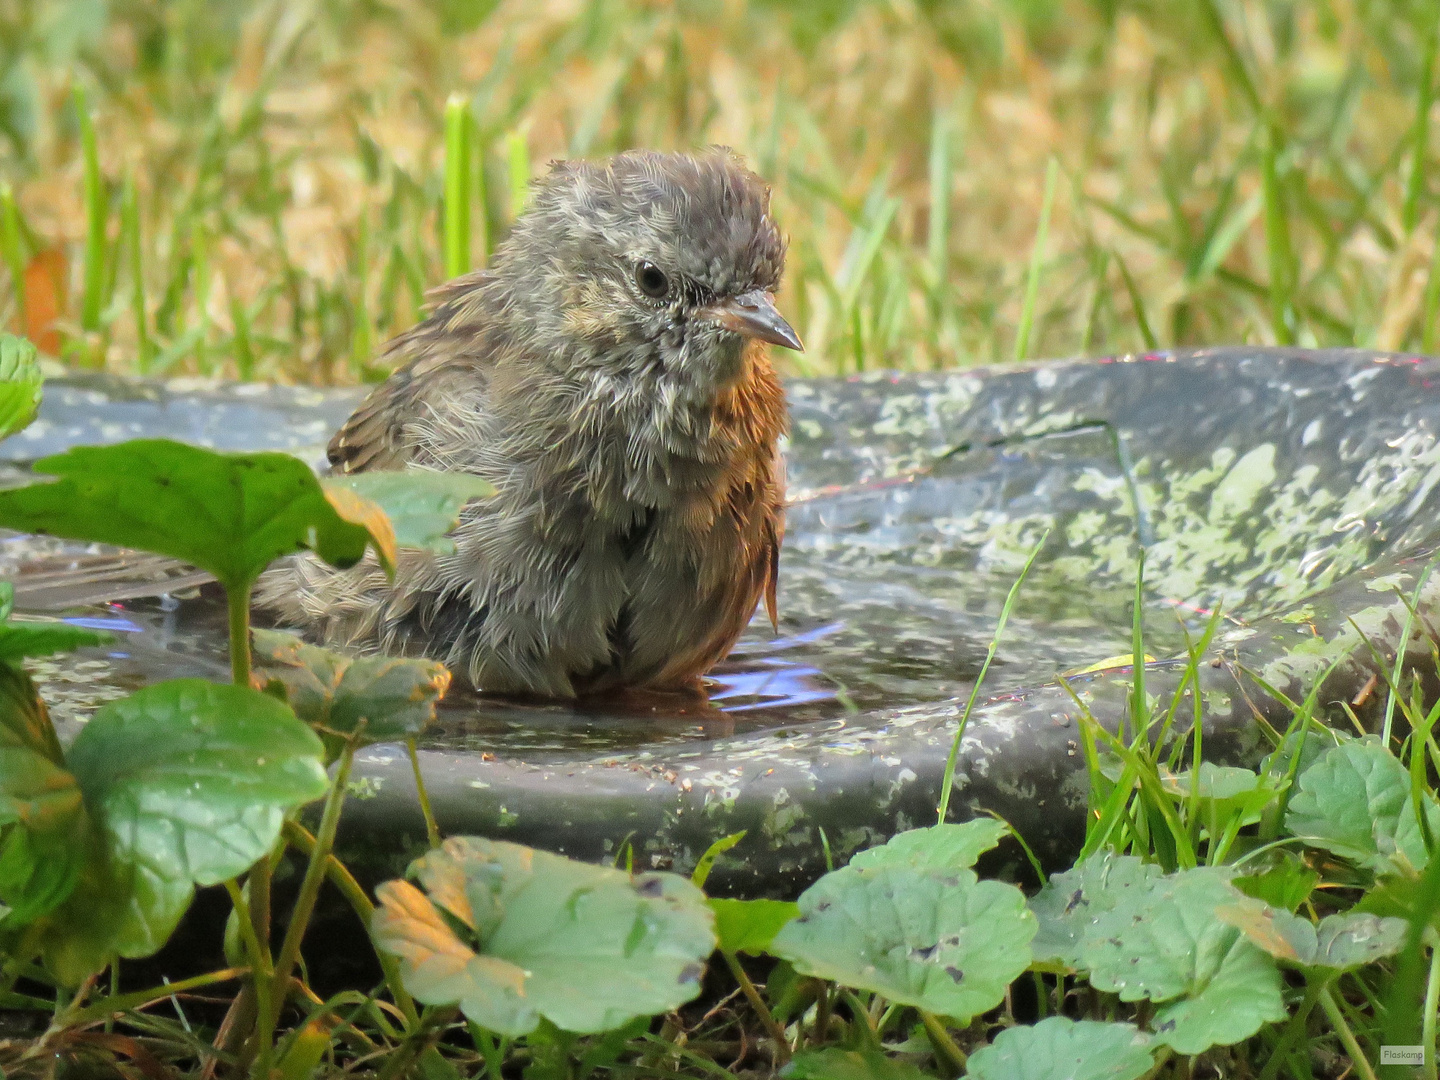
[[652, 280]]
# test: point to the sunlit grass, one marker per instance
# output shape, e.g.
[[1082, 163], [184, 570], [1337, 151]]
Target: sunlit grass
[[1225, 171]]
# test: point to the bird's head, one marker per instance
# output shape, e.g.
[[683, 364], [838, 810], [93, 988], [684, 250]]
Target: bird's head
[[665, 263]]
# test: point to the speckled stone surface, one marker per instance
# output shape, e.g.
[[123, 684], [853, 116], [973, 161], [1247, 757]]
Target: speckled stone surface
[[1294, 489]]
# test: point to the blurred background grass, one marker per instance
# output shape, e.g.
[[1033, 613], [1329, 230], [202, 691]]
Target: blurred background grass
[[255, 188]]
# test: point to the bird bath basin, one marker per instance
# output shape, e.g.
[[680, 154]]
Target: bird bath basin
[[1295, 489]]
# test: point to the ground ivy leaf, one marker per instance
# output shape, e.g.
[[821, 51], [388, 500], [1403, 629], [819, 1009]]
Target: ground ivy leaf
[[24, 719], [394, 696], [1355, 801], [1340, 942], [1165, 941], [941, 941], [1071, 902], [749, 926], [939, 847], [1059, 1048], [587, 948], [423, 505], [20, 384], [833, 1063], [229, 514], [192, 779], [1285, 884]]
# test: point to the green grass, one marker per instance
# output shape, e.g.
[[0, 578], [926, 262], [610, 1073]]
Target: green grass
[[262, 191]]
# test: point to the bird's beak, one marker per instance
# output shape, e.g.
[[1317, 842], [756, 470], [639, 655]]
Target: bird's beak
[[753, 315]]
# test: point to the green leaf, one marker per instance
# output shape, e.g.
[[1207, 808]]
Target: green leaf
[[588, 948], [706, 863], [36, 638], [939, 940], [1165, 941], [20, 383], [1063, 1049], [394, 697], [1287, 884], [24, 720], [423, 505], [1071, 902], [836, 1064], [1355, 802], [1340, 942], [229, 514], [189, 782], [749, 926], [939, 847], [193, 779]]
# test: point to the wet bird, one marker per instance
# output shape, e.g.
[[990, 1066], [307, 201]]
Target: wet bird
[[609, 376]]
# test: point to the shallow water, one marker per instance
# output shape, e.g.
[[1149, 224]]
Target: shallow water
[[1293, 490]]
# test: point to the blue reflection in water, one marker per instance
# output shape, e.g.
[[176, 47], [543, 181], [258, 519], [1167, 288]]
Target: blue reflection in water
[[754, 679], [123, 625]]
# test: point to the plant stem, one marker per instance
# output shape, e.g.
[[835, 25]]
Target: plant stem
[[135, 999], [314, 875], [1037, 261], [416, 1043], [261, 980], [1347, 1037], [1292, 1032], [1427, 1024], [946, 1050], [777, 1033], [432, 830], [299, 837], [237, 598]]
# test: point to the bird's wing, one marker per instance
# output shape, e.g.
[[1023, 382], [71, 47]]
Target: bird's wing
[[449, 346]]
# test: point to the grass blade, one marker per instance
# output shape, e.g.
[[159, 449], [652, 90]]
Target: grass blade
[[92, 298], [133, 253], [1280, 254], [457, 186], [1415, 186], [1137, 303], [1037, 259], [12, 248], [517, 157], [949, 779]]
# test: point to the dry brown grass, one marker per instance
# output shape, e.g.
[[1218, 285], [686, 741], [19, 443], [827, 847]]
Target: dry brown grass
[[288, 158]]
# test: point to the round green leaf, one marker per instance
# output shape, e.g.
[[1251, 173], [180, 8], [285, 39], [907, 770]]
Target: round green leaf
[[939, 847], [1059, 1048], [1355, 801], [587, 948], [1071, 902], [20, 384], [230, 514], [1165, 941], [1340, 942], [192, 779], [941, 941], [394, 697], [423, 505]]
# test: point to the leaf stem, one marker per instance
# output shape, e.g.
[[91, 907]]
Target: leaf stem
[[1292, 1032], [777, 1033], [947, 1051], [314, 874], [299, 837], [237, 598], [432, 830], [1347, 1037]]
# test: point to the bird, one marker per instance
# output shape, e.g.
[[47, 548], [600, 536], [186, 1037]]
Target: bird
[[609, 374]]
